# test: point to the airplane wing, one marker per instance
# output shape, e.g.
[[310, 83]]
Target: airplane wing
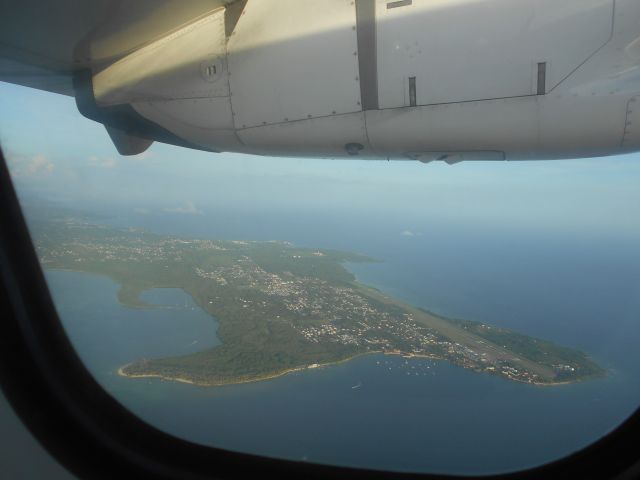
[[450, 80], [59, 45]]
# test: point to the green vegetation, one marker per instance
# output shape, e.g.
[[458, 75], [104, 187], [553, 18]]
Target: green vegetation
[[563, 359], [282, 308]]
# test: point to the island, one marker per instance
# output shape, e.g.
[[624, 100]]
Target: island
[[282, 308]]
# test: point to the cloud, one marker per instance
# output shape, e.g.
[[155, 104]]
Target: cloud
[[109, 162], [143, 211], [188, 209], [21, 165], [409, 233], [38, 164]]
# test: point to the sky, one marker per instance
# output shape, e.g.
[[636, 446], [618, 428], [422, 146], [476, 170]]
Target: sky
[[63, 157]]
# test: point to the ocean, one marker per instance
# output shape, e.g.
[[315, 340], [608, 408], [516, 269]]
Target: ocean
[[384, 412]]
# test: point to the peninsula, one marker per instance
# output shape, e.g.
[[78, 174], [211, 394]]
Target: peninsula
[[282, 308]]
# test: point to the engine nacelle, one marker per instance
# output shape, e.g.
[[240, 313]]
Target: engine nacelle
[[412, 79]]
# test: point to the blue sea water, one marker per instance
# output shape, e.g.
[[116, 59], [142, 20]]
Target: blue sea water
[[381, 411]]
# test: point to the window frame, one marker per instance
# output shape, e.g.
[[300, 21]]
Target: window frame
[[93, 436]]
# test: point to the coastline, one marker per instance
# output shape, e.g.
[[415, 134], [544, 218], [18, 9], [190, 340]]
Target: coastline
[[121, 372], [282, 373]]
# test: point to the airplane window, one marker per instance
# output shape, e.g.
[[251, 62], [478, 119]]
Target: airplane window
[[393, 235], [470, 318]]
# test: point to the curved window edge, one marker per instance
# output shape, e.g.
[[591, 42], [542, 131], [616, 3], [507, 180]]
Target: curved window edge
[[93, 436]]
